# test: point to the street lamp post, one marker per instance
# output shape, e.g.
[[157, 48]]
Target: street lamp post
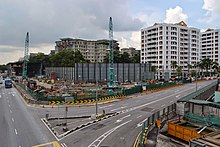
[[96, 85], [196, 78]]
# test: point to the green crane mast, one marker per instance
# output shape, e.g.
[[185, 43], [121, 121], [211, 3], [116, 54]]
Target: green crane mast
[[26, 56], [111, 55]]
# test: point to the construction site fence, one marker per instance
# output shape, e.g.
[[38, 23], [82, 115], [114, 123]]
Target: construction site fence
[[133, 90], [42, 97], [149, 123], [159, 85]]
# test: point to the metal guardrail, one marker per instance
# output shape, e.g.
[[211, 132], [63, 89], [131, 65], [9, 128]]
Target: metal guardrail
[[198, 92], [147, 125]]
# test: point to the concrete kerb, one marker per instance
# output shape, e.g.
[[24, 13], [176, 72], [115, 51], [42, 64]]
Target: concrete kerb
[[78, 127]]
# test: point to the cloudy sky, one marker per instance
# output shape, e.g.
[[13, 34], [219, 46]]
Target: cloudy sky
[[49, 20]]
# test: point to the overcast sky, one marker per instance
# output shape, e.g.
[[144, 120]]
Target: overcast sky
[[50, 20]]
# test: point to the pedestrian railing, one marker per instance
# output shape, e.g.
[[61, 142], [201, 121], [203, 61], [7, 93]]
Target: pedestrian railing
[[149, 123]]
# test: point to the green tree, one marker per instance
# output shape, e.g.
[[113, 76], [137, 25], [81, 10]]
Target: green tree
[[178, 71], [3, 68], [40, 58], [67, 58], [189, 66], [173, 66], [215, 67], [205, 64], [125, 58], [135, 58]]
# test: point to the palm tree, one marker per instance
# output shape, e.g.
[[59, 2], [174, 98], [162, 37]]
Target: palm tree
[[206, 64], [189, 67], [215, 66], [154, 70], [179, 71], [173, 65]]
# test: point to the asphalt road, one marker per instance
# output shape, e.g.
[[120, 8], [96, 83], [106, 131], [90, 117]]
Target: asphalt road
[[122, 130], [23, 127], [17, 126]]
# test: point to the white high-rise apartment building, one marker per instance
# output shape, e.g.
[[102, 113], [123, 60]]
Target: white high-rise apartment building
[[163, 43], [210, 45]]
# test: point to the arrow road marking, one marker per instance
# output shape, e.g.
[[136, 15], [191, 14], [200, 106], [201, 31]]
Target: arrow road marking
[[119, 120], [141, 123], [99, 140]]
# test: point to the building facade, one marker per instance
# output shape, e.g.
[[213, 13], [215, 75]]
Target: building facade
[[94, 51], [131, 51], [210, 44], [162, 44]]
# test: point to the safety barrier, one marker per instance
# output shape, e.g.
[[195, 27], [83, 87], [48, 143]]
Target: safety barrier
[[86, 101], [150, 122]]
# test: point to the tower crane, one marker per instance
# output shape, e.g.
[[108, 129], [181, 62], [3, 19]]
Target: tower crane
[[111, 56], [26, 49]]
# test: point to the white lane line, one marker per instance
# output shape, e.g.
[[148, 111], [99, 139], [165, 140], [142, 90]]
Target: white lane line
[[119, 120], [152, 110], [139, 116], [0, 96], [171, 101], [12, 119], [99, 140], [178, 96], [162, 106], [10, 111], [9, 105], [16, 132], [50, 130], [118, 108], [106, 106], [64, 144]]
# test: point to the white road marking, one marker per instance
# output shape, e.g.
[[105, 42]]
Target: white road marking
[[162, 106], [171, 101], [50, 130], [119, 120], [152, 110], [0, 96], [10, 111], [106, 106], [16, 132], [9, 106], [64, 144], [139, 116], [118, 108], [12, 119], [99, 140], [141, 123], [178, 96]]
